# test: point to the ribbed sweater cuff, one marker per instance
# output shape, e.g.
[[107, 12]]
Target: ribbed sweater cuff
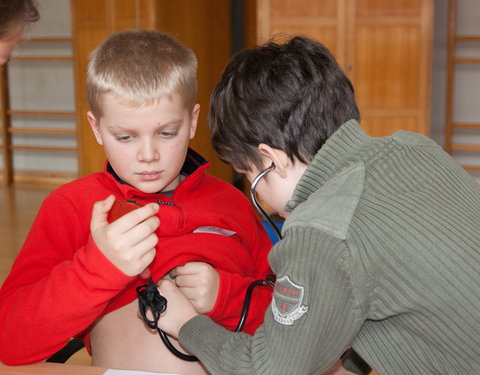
[[203, 337]]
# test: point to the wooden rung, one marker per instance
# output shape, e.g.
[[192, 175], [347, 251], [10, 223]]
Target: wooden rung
[[13, 112], [43, 176], [41, 58], [471, 168], [41, 131], [466, 61], [44, 173], [467, 38], [43, 148], [459, 125], [463, 147], [46, 40]]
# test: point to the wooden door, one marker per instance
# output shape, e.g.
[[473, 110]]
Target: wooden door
[[383, 46], [321, 20], [391, 63]]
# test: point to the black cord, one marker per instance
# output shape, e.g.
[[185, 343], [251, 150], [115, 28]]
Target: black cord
[[270, 281], [150, 299], [174, 350]]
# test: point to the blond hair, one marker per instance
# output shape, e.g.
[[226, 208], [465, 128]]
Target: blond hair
[[140, 66]]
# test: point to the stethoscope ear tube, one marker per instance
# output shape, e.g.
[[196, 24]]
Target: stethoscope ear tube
[[257, 205]]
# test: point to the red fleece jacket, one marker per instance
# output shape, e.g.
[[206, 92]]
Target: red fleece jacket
[[61, 283]]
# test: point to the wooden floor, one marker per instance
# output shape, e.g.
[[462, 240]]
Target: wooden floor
[[18, 207], [19, 204]]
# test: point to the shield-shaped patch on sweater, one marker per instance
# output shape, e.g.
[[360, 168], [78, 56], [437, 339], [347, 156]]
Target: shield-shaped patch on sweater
[[287, 301]]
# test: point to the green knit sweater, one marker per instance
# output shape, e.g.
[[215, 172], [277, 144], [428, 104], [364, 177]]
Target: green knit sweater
[[381, 252]]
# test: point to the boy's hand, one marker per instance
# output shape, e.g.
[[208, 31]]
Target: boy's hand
[[199, 282], [179, 309], [129, 242]]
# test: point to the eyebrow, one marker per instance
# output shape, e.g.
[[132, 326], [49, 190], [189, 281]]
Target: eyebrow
[[174, 123]]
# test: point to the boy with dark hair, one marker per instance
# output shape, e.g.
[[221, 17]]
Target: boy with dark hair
[[78, 271], [380, 249]]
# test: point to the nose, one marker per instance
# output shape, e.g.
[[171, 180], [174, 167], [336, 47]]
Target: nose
[[148, 151]]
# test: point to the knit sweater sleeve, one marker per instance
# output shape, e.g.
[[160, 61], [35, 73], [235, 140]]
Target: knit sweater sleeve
[[323, 312], [59, 284]]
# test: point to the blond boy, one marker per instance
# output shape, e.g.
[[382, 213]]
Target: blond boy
[[77, 272]]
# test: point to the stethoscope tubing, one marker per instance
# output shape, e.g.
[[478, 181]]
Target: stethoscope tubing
[[268, 282], [257, 205]]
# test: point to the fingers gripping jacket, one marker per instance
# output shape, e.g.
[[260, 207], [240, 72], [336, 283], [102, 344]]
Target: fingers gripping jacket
[[149, 298]]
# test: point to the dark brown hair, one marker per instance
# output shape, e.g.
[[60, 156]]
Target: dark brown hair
[[291, 96], [13, 12]]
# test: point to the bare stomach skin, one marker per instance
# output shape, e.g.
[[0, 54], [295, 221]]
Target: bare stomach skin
[[120, 340]]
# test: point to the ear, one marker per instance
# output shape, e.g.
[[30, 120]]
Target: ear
[[95, 125], [278, 157], [194, 120]]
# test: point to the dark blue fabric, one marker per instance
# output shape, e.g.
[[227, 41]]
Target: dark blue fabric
[[271, 232]]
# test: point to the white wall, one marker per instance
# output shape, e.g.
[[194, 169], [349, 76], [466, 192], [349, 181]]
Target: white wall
[[466, 105], [439, 71], [44, 85]]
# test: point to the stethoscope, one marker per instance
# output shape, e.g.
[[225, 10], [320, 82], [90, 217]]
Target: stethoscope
[[349, 354], [257, 205], [150, 299]]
